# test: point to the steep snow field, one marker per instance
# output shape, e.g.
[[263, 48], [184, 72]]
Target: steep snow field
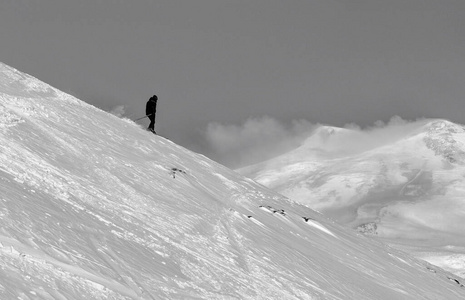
[[404, 184], [95, 207]]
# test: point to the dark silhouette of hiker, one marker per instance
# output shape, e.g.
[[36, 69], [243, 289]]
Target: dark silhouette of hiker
[[150, 111]]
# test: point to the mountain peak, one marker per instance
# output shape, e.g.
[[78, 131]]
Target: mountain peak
[[446, 139], [441, 126]]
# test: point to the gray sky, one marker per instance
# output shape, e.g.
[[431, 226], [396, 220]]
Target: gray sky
[[222, 62]]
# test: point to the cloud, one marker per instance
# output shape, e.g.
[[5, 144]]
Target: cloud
[[380, 133], [118, 111], [260, 139], [256, 140]]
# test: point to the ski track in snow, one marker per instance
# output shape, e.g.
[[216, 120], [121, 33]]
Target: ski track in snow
[[317, 225]]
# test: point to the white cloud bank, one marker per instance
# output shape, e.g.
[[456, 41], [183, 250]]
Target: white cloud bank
[[259, 139], [358, 139]]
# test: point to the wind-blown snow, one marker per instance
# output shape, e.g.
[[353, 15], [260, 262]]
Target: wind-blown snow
[[95, 207]]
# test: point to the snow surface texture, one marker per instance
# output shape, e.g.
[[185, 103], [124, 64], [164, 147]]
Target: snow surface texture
[[95, 207], [406, 188]]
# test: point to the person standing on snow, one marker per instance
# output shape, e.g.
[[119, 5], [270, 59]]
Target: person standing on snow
[[150, 111]]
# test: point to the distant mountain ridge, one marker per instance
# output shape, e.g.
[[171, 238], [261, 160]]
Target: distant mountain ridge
[[404, 184]]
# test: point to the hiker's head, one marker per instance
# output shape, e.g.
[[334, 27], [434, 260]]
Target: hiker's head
[[154, 98]]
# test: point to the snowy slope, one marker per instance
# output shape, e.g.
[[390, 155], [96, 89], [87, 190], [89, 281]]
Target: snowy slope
[[405, 188], [95, 207]]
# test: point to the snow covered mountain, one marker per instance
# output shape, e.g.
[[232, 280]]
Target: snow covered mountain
[[95, 207], [404, 185]]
